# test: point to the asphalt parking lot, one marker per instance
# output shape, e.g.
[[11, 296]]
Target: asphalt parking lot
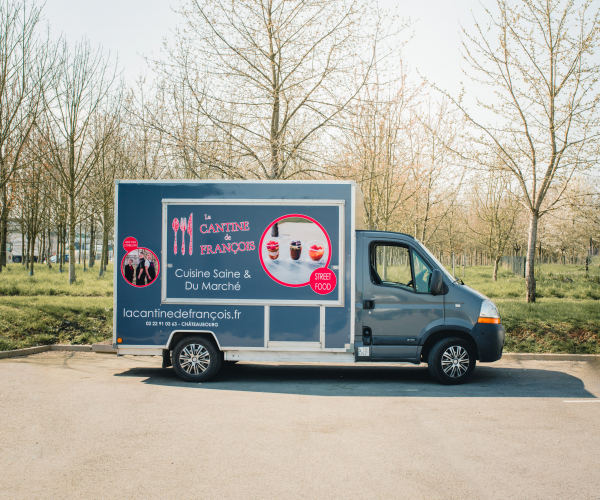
[[83, 425]]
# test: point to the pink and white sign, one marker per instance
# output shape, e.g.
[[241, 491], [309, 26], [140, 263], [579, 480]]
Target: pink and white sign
[[323, 281], [130, 243]]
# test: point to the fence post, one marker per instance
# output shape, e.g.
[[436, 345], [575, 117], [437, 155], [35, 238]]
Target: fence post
[[464, 261], [453, 266]]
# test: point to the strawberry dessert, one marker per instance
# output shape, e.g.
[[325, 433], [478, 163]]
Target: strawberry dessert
[[316, 252], [273, 249]]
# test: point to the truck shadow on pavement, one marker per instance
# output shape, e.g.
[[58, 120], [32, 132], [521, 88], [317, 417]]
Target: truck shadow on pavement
[[375, 381]]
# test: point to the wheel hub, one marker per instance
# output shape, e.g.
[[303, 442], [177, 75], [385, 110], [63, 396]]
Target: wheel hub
[[455, 361], [194, 359]]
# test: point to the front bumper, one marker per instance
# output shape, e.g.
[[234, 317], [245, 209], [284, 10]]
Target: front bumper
[[490, 341]]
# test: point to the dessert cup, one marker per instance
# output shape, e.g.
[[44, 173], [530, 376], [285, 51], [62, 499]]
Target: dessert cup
[[273, 249], [295, 250], [317, 250]]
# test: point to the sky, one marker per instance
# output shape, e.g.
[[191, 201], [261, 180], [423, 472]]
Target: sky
[[133, 29]]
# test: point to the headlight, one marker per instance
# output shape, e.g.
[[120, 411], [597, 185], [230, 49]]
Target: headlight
[[489, 313]]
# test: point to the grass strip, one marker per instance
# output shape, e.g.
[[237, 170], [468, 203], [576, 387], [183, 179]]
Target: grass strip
[[43, 320], [15, 281], [558, 326]]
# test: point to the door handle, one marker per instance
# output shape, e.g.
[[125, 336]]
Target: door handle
[[368, 304]]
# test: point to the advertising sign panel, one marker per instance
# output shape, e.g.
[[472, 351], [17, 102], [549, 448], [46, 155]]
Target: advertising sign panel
[[252, 252]]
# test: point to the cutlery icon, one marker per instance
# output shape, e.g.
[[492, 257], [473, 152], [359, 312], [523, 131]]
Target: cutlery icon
[[190, 230], [183, 226], [175, 227]]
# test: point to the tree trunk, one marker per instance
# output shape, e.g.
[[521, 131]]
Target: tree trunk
[[32, 253], [92, 242], [101, 270], [49, 248], [84, 248], [22, 241], [107, 254], [72, 277], [42, 251], [63, 246], [530, 264], [28, 247], [587, 269], [496, 262], [58, 240], [3, 229], [104, 259]]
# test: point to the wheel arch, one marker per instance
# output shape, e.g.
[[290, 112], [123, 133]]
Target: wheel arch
[[446, 332], [177, 335]]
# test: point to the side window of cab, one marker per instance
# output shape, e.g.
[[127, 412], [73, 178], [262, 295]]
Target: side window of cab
[[391, 266], [399, 266], [422, 272]]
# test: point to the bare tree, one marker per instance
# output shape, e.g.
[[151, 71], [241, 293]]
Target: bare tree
[[434, 142], [26, 62], [34, 195], [537, 58], [265, 79], [108, 167], [493, 214], [374, 151], [153, 133], [84, 81]]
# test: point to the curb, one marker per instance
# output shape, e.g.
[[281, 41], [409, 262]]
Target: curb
[[105, 347], [68, 347], [100, 348], [23, 352], [531, 356]]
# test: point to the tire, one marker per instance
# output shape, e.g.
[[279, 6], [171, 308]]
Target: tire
[[451, 361], [196, 359]]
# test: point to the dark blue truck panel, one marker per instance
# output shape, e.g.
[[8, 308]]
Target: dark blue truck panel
[[234, 271]]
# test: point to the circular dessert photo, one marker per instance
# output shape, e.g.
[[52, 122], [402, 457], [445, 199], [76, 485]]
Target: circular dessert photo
[[292, 247], [140, 267]]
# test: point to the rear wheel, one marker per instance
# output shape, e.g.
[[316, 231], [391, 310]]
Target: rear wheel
[[196, 359], [451, 361]]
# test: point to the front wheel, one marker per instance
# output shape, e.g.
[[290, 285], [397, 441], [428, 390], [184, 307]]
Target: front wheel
[[196, 359], [451, 361]]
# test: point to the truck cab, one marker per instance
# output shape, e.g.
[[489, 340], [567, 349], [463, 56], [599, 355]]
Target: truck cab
[[409, 308]]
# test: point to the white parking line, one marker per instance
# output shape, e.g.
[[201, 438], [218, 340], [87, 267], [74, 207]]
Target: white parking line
[[584, 401]]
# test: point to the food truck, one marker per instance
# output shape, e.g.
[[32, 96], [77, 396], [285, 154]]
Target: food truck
[[209, 272]]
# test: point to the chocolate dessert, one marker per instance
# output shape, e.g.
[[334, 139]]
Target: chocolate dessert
[[295, 249]]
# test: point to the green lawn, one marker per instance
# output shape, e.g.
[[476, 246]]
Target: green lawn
[[44, 309], [553, 281], [565, 317], [15, 280]]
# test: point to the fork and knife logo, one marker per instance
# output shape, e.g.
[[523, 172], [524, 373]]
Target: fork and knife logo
[[185, 225]]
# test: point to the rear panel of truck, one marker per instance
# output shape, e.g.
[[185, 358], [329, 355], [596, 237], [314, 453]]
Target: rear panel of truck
[[262, 266]]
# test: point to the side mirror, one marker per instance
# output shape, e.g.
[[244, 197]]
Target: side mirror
[[437, 283]]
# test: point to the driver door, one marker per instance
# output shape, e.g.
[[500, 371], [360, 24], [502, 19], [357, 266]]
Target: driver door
[[399, 306]]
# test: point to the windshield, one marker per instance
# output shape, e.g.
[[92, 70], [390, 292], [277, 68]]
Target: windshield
[[440, 266]]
